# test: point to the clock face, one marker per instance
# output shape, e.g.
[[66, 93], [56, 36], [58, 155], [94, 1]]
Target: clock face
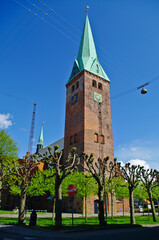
[[74, 99], [97, 97]]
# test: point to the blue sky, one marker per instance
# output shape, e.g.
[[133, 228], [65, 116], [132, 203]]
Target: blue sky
[[37, 51]]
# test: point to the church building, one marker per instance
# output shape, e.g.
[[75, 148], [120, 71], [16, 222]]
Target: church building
[[88, 123]]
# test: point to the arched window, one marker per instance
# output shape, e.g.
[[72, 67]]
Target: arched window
[[94, 83], [73, 88], [102, 139], [96, 137], [100, 86], [71, 140], [77, 84], [75, 138]]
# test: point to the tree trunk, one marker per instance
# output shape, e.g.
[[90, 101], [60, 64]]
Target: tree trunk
[[106, 205], [131, 204], [0, 193], [58, 204], [152, 206], [123, 207], [85, 207], [148, 209], [143, 206], [21, 217], [111, 205], [102, 222], [53, 209]]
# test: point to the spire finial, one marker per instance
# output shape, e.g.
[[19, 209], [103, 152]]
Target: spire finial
[[87, 7]]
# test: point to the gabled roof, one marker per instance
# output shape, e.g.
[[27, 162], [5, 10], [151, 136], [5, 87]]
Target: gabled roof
[[60, 142], [87, 57]]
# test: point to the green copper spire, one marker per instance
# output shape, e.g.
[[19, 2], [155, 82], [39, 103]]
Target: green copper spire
[[40, 142], [87, 57]]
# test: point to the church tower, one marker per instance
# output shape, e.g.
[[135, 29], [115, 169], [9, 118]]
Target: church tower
[[40, 141], [88, 123]]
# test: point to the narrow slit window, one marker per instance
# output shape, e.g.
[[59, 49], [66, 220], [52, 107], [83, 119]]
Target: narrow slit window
[[96, 137], [71, 140], [75, 138], [102, 139]]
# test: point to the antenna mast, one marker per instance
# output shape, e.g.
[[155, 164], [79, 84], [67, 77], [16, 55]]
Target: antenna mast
[[31, 137]]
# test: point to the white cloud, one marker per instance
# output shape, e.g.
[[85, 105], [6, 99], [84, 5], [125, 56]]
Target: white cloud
[[5, 120], [142, 152], [139, 162]]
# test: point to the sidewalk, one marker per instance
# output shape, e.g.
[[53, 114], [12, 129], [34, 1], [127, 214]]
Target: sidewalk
[[46, 215]]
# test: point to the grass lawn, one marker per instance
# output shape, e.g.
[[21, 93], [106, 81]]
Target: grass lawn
[[11, 212], [79, 223], [6, 212]]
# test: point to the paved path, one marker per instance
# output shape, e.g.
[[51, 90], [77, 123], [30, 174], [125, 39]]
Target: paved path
[[46, 215]]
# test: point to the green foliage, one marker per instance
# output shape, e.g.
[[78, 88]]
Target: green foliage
[[86, 185], [15, 189], [8, 154], [42, 182], [155, 192], [121, 188], [140, 192], [8, 147]]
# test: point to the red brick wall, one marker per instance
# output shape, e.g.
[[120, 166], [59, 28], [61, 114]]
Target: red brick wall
[[92, 124], [82, 118], [74, 117]]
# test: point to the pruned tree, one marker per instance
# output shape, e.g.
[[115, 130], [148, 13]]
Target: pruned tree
[[131, 174], [20, 173], [149, 179], [99, 169], [62, 170]]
